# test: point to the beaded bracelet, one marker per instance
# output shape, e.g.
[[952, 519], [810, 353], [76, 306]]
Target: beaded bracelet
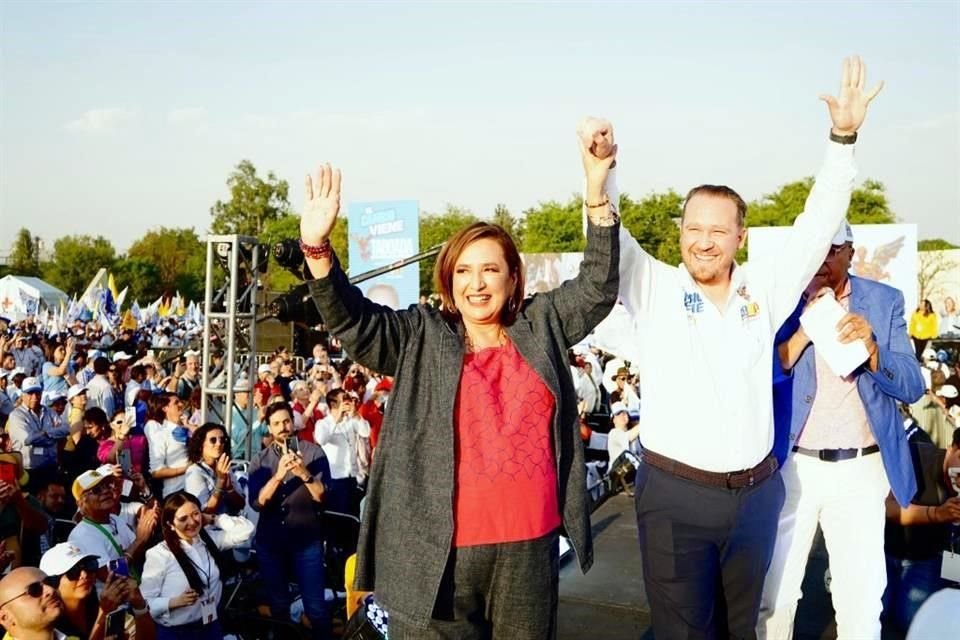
[[322, 251], [604, 202]]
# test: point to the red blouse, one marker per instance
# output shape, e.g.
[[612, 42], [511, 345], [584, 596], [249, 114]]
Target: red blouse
[[504, 466]]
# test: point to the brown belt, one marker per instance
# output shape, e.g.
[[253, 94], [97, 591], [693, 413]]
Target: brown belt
[[732, 480]]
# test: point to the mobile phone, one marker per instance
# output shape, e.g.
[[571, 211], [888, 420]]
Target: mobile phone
[[116, 624], [292, 444], [125, 458], [119, 567], [130, 414], [8, 473]]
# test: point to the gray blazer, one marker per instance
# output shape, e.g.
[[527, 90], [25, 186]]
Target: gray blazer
[[407, 528]]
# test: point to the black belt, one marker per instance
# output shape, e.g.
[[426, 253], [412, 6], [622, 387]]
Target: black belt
[[732, 480], [836, 455]]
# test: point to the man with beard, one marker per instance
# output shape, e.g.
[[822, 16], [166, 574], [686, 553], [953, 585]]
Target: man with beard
[[29, 605], [707, 492], [837, 426]]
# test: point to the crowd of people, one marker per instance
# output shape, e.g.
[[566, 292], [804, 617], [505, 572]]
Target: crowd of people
[[129, 500], [123, 504]]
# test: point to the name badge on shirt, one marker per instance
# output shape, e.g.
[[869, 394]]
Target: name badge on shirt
[[950, 569], [208, 610], [38, 451]]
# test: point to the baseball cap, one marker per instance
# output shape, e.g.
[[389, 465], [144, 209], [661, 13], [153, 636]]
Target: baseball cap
[[88, 480], [618, 407], [384, 385], [31, 385], [75, 390], [18, 371], [121, 355], [843, 235], [264, 368], [61, 558], [55, 395]]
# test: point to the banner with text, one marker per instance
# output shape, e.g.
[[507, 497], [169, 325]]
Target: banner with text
[[382, 233]]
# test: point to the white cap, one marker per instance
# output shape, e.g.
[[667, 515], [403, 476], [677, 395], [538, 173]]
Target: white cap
[[121, 355], [264, 368], [30, 384], [843, 235], [298, 384], [947, 391], [75, 390], [618, 407], [55, 395], [18, 371], [929, 354], [61, 558], [4, 373], [88, 480]]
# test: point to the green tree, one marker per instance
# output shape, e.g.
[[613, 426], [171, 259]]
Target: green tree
[[868, 205], [24, 259], [653, 221], [142, 277], [180, 260], [554, 227], [76, 260], [436, 229], [935, 244], [503, 217], [253, 202]]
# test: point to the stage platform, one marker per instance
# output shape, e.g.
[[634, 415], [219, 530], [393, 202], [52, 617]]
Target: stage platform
[[609, 602]]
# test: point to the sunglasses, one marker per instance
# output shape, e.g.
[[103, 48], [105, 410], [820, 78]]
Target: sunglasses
[[216, 439], [119, 421], [34, 589], [103, 487], [87, 565]]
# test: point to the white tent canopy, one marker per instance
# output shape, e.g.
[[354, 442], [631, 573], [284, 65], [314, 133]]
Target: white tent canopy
[[22, 296]]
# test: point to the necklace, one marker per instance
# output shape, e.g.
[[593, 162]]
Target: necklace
[[472, 347]]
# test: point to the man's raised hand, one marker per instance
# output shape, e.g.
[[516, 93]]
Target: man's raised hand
[[849, 109]]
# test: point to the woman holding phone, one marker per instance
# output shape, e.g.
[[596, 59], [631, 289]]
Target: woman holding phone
[[124, 444], [181, 576]]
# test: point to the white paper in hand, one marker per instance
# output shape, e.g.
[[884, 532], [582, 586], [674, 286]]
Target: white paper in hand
[[820, 323]]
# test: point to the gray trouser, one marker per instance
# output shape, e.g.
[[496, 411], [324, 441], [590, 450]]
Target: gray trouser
[[705, 553], [502, 591]]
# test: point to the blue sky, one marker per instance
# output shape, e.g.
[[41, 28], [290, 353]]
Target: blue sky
[[116, 117]]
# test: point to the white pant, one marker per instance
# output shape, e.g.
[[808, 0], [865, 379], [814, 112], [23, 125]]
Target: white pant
[[847, 500]]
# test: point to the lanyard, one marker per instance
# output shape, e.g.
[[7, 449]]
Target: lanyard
[[209, 572], [107, 534]]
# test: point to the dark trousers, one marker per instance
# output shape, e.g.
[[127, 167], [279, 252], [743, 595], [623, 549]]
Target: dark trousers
[[278, 564], [705, 549], [494, 592], [194, 631]]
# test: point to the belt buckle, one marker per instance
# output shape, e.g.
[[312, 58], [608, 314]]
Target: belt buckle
[[750, 479]]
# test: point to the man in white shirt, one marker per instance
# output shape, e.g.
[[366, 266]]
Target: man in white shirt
[[99, 389], [100, 532], [707, 493], [344, 437]]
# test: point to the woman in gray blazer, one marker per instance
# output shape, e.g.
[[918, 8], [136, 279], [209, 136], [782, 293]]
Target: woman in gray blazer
[[479, 465]]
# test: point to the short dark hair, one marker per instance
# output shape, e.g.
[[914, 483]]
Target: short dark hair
[[101, 365], [276, 407], [195, 444], [719, 191], [956, 438], [96, 415]]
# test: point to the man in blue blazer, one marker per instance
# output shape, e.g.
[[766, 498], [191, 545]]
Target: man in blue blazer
[[845, 448]]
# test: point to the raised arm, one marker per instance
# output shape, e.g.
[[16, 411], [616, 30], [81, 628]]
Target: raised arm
[[581, 303], [373, 334], [636, 265], [827, 204]]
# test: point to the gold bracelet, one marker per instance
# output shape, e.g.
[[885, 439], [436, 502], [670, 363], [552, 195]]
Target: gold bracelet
[[606, 201]]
